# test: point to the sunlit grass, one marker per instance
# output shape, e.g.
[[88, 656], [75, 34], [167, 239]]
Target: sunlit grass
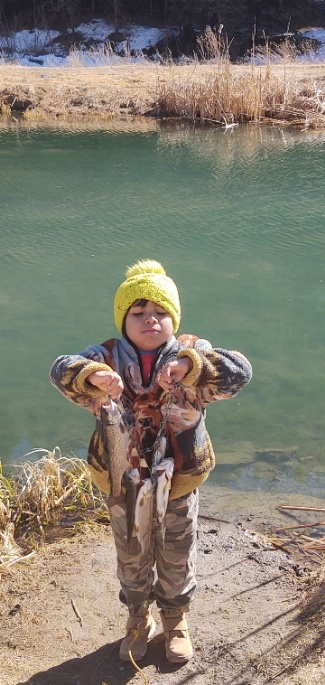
[[39, 495], [271, 86], [255, 96]]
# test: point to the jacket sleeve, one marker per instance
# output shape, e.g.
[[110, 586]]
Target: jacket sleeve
[[217, 374], [68, 374]]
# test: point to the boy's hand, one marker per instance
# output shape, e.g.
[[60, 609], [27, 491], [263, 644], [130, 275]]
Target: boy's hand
[[108, 381], [174, 372]]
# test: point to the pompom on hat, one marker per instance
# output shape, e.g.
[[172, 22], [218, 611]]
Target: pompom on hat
[[147, 280]]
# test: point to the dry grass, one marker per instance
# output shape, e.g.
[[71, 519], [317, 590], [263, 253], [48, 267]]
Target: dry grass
[[306, 538], [77, 93], [39, 495], [283, 93], [214, 92]]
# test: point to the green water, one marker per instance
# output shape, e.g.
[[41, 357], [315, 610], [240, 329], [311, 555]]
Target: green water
[[237, 218]]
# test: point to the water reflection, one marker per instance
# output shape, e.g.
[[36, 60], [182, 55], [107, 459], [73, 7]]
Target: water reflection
[[125, 124], [251, 156]]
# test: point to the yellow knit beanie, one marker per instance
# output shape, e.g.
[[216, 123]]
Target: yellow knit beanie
[[147, 280]]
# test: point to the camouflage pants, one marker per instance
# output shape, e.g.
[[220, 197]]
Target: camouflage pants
[[166, 574]]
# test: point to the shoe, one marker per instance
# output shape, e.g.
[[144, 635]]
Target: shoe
[[139, 629], [177, 640], [122, 598]]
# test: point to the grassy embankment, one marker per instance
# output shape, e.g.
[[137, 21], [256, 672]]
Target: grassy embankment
[[207, 91]]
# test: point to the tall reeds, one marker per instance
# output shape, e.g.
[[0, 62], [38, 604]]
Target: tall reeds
[[253, 92], [40, 494]]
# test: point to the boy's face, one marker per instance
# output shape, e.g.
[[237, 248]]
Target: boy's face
[[148, 325]]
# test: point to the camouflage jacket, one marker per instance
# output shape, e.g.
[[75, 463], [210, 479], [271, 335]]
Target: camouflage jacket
[[216, 374]]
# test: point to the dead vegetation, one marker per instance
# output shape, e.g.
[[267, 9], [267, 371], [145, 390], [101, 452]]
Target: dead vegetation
[[246, 95], [271, 87], [303, 537], [38, 496]]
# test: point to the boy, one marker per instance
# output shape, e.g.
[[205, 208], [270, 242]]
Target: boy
[[163, 386]]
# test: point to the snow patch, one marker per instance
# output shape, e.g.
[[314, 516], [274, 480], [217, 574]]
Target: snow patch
[[43, 48]]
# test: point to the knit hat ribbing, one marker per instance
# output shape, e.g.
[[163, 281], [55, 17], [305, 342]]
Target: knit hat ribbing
[[147, 280]]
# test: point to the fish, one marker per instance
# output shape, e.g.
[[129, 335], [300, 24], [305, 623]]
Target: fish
[[164, 473], [115, 438], [143, 515], [131, 481]]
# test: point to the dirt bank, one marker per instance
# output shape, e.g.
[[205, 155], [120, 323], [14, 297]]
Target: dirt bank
[[256, 618]]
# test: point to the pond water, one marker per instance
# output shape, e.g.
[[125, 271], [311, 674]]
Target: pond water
[[236, 217]]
